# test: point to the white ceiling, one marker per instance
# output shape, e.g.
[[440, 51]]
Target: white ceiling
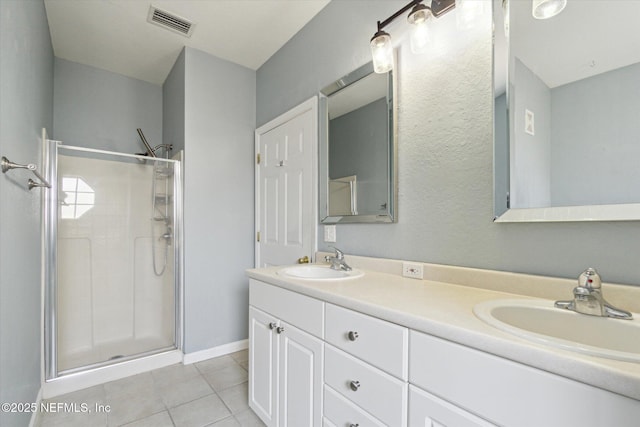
[[114, 34], [587, 38]]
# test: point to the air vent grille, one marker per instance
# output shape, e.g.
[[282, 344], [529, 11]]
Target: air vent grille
[[170, 21]]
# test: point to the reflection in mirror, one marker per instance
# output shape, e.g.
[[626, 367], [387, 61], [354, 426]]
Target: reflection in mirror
[[567, 112], [357, 154]]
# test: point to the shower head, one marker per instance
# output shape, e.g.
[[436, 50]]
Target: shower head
[[146, 144]]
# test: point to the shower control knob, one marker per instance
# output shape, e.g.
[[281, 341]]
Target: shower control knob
[[353, 335], [354, 385], [272, 325], [279, 329]]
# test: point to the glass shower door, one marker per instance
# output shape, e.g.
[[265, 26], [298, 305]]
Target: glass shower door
[[116, 257]]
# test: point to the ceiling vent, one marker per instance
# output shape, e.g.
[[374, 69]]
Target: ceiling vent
[[170, 21]]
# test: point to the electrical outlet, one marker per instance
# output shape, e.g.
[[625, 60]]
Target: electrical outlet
[[412, 270], [330, 233]]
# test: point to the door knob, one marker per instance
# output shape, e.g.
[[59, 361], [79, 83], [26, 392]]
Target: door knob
[[303, 260]]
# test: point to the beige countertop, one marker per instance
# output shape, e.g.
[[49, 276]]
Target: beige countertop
[[445, 310]]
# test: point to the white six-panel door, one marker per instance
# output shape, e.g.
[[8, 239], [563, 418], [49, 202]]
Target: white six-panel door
[[286, 206]]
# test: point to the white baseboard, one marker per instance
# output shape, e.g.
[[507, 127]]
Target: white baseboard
[[221, 350]]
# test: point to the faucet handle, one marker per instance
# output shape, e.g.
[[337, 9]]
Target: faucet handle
[[339, 253], [590, 279]]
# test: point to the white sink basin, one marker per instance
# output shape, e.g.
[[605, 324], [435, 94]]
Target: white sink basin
[[318, 272], [540, 321]]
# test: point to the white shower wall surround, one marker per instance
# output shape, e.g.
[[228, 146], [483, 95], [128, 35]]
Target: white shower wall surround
[[110, 303]]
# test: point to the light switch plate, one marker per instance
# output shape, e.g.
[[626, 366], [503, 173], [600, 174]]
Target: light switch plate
[[529, 124], [330, 233]]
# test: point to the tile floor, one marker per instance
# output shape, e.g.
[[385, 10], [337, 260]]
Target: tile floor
[[209, 393]]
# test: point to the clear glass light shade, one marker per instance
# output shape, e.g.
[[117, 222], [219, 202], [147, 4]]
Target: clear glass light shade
[[382, 52], [419, 32], [419, 14], [545, 9], [468, 12], [420, 38]]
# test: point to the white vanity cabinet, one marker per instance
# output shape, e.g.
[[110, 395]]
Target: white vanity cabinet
[[313, 363], [285, 362], [508, 393]]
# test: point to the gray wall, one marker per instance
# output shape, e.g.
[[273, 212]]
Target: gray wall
[[173, 106], [218, 204], [99, 109], [445, 152], [358, 145], [531, 154], [595, 129], [26, 99]]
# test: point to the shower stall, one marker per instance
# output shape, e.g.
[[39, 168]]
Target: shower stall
[[112, 251]]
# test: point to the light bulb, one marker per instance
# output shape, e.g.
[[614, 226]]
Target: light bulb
[[382, 52], [420, 38], [545, 9], [420, 32]]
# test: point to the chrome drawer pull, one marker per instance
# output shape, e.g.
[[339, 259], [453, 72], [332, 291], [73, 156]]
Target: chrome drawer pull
[[272, 325], [280, 329], [353, 335], [355, 385], [354, 425]]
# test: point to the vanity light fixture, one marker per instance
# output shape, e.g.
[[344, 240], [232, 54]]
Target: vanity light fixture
[[545, 9], [381, 48]]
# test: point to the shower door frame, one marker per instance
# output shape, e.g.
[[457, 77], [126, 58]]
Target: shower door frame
[[49, 256]]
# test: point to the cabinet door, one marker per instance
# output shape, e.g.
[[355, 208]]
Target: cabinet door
[[427, 410], [299, 378], [263, 366]]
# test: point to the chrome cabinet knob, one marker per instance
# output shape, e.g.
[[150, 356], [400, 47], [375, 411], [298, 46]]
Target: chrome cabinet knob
[[272, 325], [280, 329], [354, 385], [353, 335], [354, 425]]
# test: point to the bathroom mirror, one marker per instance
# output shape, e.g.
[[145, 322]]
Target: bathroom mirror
[[567, 112], [357, 148]]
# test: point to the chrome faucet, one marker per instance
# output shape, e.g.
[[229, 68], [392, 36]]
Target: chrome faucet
[[337, 261], [588, 299]]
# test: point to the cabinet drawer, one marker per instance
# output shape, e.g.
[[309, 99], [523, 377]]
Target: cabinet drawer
[[338, 411], [304, 312], [427, 410], [378, 393], [376, 341]]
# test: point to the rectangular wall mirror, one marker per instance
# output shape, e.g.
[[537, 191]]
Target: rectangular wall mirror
[[358, 149], [567, 112]]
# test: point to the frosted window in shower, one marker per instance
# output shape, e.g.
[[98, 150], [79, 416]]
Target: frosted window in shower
[[78, 198]]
